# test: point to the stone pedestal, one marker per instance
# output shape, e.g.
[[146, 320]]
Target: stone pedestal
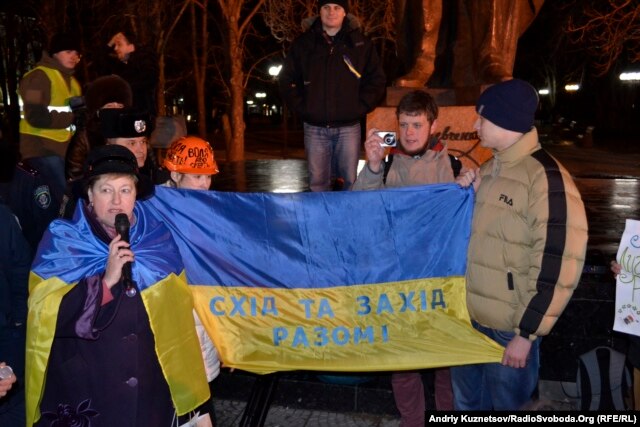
[[454, 125], [443, 97]]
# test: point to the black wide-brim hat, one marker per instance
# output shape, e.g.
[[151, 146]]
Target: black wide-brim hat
[[112, 159]]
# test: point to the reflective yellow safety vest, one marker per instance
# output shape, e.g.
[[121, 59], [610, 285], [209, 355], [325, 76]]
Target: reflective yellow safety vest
[[60, 94]]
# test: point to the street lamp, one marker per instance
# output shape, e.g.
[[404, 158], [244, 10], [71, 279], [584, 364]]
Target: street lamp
[[630, 76], [543, 91], [572, 87], [274, 70]]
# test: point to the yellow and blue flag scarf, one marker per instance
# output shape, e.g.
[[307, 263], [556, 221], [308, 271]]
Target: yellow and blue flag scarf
[[341, 281], [69, 252]]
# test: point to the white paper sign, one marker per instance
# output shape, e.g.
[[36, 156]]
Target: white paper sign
[[627, 314]]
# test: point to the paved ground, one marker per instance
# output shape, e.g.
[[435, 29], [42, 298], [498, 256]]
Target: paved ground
[[609, 180], [230, 414]]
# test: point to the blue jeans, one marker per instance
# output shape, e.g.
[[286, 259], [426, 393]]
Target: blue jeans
[[492, 386], [331, 149]]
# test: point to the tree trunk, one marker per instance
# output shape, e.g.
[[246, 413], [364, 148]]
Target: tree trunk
[[161, 102], [162, 9], [200, 62], [226, 131], [236, 151], [202, 109], [160, 41], [11, 60]]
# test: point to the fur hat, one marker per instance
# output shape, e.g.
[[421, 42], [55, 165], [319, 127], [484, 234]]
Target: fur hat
[[511, 104], [63, 41], [106, 89], [107, 159], [343, 3], [124, 123]]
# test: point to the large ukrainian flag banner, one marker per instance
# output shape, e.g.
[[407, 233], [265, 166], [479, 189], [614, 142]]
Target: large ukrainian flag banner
[[341, 281]]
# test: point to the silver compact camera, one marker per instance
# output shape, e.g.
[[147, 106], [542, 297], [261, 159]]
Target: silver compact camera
[[388, 138], [5, 372]]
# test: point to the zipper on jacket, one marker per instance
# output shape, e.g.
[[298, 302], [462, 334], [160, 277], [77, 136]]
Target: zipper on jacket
[[328, 60], [510, 280]]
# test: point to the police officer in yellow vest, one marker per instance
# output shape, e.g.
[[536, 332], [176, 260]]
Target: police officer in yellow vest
[[48, 93]]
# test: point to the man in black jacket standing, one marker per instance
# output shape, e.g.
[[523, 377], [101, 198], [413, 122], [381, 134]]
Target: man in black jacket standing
[[332, 77], [138, 65]]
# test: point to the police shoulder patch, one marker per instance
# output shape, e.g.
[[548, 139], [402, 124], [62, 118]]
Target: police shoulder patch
[[42, 196]]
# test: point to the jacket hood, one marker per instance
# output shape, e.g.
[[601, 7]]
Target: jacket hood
[[351, 22]]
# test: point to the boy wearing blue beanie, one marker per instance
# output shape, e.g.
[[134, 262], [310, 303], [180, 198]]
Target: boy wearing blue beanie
[[526, 253]]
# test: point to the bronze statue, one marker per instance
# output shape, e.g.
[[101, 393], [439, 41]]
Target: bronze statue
[[486, 38]]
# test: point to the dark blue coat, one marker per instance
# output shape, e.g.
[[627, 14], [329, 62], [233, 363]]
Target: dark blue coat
[[15, 261], [34, 197]]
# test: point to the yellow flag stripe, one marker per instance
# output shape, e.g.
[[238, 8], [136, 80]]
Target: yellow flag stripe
[[411, 324], [170, 305], [44, 300]]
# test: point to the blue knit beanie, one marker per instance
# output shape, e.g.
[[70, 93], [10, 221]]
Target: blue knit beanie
[[511, 104]]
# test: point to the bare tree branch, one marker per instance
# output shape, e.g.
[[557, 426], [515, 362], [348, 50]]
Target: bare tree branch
[[607, 30]]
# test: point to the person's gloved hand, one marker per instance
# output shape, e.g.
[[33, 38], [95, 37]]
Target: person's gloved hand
[[79, 110], [80, 118], [77, 103]]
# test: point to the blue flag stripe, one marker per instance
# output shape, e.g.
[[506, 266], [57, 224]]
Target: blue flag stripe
[[317, 240]]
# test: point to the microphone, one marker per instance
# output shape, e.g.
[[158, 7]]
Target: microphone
[[122, 228]]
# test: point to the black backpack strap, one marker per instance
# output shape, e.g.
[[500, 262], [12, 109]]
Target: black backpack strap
[[387, 166], [456, 165], [437, 145]]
